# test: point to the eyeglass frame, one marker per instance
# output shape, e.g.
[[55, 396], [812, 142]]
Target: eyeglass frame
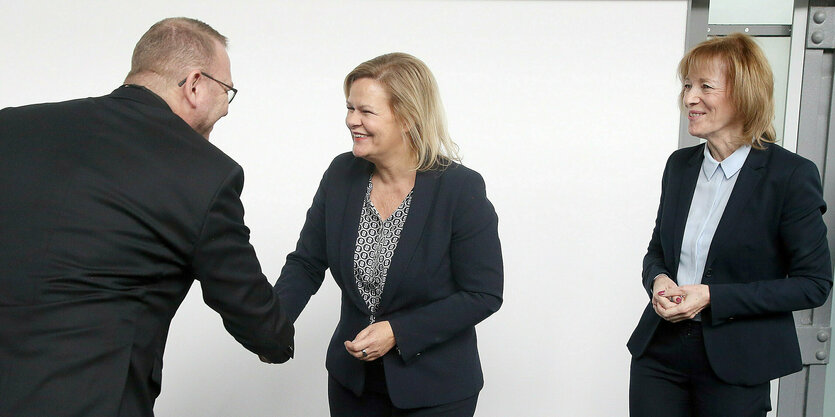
[[228, 87]]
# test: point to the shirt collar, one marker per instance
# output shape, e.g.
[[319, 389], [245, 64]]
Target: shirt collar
[[141, 94], [730, 166]]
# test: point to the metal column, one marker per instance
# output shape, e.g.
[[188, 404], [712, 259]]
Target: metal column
[[696, 31], [802, 394]]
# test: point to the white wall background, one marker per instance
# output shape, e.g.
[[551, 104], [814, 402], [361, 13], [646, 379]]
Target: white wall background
[[567, 108]]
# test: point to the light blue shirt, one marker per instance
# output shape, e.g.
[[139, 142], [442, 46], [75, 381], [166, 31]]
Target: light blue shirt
[[713, 189]]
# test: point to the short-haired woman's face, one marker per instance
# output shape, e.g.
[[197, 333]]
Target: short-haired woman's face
[[710, 110], [377, 135]]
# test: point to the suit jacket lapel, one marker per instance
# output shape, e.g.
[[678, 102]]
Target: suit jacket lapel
[[683, 196], [358, 183], [750, 176], [426, 184]]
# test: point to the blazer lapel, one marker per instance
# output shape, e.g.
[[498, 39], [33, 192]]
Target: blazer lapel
[[426, 184], [358, 183], [749, 177], [683, 196]]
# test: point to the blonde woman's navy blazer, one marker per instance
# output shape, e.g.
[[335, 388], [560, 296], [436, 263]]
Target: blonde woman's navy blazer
[[445, 276], [769, 257]]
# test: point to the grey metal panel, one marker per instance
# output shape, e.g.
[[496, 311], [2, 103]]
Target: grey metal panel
[[814, 344], [697, 14], [815, 390], [825, 150], [814, 106], [792, 394], [753, 30], [821, 28], [802, 394]]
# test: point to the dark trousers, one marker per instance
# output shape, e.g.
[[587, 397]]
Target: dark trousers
[[673, 378], [375, 401]]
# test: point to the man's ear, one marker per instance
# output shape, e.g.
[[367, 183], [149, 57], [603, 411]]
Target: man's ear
[[188, 87]]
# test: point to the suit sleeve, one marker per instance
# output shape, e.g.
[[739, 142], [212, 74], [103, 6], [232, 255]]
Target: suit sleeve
[[476, 263], [305, 267], [232, 281], [802, 236], [654, 259]]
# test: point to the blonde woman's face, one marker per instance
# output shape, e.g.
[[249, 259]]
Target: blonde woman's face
[[376, 134]]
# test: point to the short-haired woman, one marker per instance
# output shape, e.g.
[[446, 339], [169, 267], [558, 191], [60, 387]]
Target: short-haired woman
[[739, 243]]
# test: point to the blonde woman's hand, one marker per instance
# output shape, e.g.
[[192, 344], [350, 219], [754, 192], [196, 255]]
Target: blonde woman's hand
[[372, 342]]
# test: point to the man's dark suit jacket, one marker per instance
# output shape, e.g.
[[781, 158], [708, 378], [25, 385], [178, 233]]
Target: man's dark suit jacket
[[769, 257], [111, 207], [445, 276]]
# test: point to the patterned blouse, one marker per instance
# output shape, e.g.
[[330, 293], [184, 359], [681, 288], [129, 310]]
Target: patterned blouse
[[376, 242]]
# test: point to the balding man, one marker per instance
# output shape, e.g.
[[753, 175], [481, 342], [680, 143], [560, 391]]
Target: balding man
[[110, 208]]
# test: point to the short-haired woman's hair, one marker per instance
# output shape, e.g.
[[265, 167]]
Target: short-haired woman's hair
[[173, 46], [749, 78], [416, 102]]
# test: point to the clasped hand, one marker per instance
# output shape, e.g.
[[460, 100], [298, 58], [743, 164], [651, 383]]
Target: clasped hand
[[372, 342], [674, 303]]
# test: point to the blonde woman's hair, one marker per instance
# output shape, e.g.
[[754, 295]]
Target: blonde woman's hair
[[174, 46], [750, 82], [416, 103]]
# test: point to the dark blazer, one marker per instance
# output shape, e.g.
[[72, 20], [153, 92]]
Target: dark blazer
[[769, 257], [111, 207], [445, 276]]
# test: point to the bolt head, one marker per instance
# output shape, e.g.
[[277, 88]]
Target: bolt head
[[817, 36], [819, 17]]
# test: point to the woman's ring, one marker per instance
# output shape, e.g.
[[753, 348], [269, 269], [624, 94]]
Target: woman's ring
[[364, 353]]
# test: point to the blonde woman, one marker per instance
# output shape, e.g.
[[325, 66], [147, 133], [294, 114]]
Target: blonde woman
[[411, 239]]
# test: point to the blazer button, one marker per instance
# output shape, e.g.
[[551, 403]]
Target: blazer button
[[709, 272]]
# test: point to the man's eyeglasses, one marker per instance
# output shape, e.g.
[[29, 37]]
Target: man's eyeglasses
[[230, 91]]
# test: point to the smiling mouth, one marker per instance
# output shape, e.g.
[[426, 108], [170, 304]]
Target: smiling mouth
[[694, 115], [358, 135]]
